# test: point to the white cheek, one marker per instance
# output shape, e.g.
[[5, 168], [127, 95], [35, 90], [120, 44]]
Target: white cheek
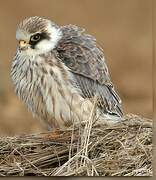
[[47, 45], [44, 46]]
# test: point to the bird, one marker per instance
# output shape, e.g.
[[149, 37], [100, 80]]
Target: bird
[[57, 71]]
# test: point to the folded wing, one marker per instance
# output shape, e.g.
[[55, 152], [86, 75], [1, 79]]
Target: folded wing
[[80, 53]]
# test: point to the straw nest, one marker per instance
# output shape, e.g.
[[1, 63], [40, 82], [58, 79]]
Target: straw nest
[[119, 149]]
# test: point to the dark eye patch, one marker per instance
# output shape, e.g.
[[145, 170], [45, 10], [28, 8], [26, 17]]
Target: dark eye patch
[[36, 38]]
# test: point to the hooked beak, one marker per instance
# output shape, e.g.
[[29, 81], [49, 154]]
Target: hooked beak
[[23, 45]]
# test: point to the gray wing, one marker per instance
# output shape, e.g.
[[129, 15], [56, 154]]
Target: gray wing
[[79, 52]]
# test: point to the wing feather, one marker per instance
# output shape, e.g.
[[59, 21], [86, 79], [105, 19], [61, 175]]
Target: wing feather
[[80, 53]]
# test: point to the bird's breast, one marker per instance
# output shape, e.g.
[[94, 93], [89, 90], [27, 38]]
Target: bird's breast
[[45, 86]]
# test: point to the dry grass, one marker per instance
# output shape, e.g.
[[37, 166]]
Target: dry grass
[[121, 149]]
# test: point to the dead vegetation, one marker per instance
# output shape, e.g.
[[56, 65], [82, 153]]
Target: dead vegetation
[[121, 149]]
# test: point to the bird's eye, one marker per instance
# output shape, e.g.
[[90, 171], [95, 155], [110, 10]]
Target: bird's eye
[[35, 37]]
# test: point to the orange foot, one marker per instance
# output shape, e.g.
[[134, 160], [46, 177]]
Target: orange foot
[[58, 135], [55, 134]]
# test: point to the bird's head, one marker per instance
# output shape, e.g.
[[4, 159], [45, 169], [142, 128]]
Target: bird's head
[[37, 35]]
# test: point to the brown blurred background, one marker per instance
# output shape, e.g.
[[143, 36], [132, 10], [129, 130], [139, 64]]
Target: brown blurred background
[[122, 27]]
